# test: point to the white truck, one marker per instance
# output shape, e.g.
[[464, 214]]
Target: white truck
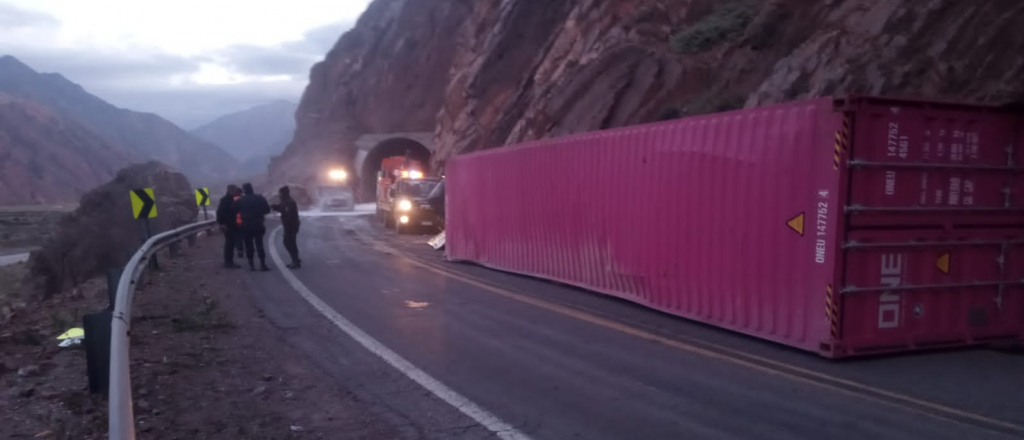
[[336, 195]]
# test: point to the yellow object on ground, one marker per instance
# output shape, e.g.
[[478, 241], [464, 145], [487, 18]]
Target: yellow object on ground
[[76, 332]]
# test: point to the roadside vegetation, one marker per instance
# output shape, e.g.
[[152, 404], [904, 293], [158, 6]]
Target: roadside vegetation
[[726, 23]]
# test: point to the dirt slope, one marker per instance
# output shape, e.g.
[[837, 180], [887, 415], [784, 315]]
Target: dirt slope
[[206, 363]]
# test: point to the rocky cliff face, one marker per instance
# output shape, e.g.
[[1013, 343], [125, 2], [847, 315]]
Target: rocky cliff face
[[388, 74], [46, 158], [147, 135], [516, 70], [101, 234]]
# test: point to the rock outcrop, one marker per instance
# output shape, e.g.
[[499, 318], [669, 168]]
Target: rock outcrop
[[46, 158], [148, 136], [101, 234], [388, 74], [518, 70]]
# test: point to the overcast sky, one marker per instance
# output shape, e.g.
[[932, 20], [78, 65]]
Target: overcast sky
[[189, 61]]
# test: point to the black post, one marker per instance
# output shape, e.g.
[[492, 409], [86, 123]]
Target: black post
[[205, 216], [97, 350], [97, 339]]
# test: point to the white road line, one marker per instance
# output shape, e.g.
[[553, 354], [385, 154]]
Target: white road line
[[482, 416]]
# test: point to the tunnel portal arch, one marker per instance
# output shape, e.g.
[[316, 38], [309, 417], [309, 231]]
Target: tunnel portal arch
[[370, 163]]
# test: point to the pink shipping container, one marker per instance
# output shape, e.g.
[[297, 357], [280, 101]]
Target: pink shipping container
[[843, 226]]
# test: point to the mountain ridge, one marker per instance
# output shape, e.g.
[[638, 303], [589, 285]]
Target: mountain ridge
[[253, 135], [47, 158], [147, 134]]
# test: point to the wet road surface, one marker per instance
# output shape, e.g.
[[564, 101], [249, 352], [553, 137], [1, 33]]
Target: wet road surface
[[446, 350]]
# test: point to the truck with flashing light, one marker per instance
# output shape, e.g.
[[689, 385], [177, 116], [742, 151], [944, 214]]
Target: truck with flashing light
[[402, 198]]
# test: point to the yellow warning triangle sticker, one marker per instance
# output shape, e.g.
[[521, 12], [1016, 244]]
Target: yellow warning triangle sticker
[[797, 224], [943, 263]]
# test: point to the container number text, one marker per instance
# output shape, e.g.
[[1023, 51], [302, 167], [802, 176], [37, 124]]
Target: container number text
[[821, 228], [897, 145]]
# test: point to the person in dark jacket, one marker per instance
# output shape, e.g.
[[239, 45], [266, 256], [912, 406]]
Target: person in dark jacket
[[290, 221], [239, 239], [253, 207], [226, 220]]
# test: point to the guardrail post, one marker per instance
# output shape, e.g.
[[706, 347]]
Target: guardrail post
[[97, 339], [113, 278], [153, 263], [97, 350]]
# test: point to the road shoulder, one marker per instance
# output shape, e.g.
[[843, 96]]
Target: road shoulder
[[206, 362]]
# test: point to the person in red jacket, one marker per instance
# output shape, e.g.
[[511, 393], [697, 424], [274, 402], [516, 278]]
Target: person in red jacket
[[239, 239]]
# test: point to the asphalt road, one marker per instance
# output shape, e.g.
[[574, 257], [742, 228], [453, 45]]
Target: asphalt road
[[445, 350]]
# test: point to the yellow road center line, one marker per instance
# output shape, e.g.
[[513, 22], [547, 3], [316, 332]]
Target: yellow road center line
[[720, 351]]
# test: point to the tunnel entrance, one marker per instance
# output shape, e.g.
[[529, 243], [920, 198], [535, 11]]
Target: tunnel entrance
[[388, 148]]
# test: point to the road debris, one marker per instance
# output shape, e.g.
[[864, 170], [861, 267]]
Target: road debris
[[28, 371]]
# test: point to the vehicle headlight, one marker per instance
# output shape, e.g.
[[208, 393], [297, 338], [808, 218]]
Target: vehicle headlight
[[404, 205], [337, 174]]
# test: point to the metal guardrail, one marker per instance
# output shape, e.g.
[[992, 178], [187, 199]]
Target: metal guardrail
[[121, 418]]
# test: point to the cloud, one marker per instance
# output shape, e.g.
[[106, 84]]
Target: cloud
[[12, 17], [290, 58], [164, 84], [188, 90], [321, 39], [113, 69], [259, 60], [192, 105]]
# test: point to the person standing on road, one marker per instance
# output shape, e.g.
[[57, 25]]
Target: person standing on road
[[239, 239], [226, 220], [253, 207], [290, 221]]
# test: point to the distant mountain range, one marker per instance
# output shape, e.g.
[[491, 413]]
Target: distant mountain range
[[131, 136], [255, 135], [47, 158]]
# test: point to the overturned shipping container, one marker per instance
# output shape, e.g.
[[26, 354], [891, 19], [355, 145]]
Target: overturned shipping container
[[842, 226]]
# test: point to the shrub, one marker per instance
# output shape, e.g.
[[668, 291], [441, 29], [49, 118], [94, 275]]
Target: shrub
[[725, 23], [762, 34]]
